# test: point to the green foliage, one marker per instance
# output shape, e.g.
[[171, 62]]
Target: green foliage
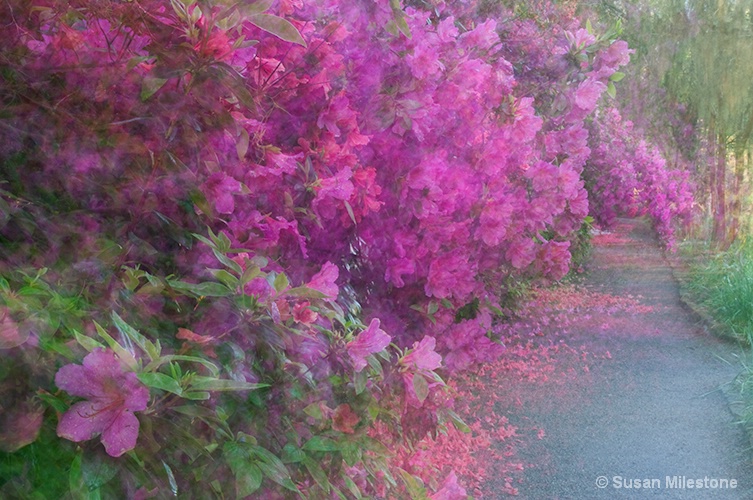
[[722, 286], [580, 248]]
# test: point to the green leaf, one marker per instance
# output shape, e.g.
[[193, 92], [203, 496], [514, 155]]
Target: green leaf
[[458, 421], [97, 470], [205, 289], [204, 240], [350, 212], [248, 476], [399, 18], [377, 447], [146, 345], [56, 403], [278, 27], [225, 277], [161, 381], [314, 410], [273, 468], [154, 365], [351, 452], [196, 396], [281, 282], [125, 356], [359, 381], [611, 90], [589, 28], [199, 383], [292, 454], [87, 343], [150, 85], [414, 485], [317, 473], [617, 76], [241, 144], [306, 293], [76, 478], [171, 479], [321, 443], [352, 487], [228, 262], [196, 411], [257, 7], [421, 386]]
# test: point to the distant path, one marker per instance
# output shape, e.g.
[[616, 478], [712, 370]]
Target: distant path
[[652, 410]]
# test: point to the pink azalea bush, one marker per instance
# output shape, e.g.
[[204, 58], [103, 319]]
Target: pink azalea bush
[[304, 211], [629, 176]]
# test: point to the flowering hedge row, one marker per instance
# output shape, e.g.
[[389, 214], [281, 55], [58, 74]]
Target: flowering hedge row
[[240, 240]]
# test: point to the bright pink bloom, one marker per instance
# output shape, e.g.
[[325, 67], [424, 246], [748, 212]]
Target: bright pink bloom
[[369, 341], [324, 280], [303, 314], [580, 39], [494, 220], [450, 489], [423, 357], [112, 396], [219, 189], [588, 94], [450, 275]]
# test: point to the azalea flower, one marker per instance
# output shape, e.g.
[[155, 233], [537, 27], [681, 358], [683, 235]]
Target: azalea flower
[[450, 489], [345, 419], [369, 341], [423, 357], [324, 280], [112, 396]]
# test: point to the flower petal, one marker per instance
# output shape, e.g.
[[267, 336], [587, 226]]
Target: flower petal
[[136, 393], [103, 363], [121, 435], [76, 381], [84, 420]]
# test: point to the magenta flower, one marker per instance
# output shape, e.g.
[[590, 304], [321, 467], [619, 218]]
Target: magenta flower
[[369, 341], [112, 396], [423, 356], [324, 280]]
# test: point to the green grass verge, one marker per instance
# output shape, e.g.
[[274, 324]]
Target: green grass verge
[[719, 287]]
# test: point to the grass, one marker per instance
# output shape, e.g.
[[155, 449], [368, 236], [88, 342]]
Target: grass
[[719, 285]]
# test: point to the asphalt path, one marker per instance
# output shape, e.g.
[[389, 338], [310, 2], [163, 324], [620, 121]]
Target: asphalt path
[[652, 420]]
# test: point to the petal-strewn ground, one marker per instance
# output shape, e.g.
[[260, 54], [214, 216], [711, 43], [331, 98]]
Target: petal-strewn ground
[[605, 382]]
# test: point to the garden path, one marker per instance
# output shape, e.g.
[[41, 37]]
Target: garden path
[[639, 396]]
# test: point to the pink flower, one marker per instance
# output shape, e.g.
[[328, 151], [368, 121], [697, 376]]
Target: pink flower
[[580, 39], [345, 419], [112, 396], [450, 489], [369, 341], [494, 220], [588, 94], [324, 280], [450, 275], [219, 189], [303, 314], [423, 357]]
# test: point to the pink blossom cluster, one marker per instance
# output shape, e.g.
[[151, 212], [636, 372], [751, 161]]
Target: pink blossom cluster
[[629, 176], [366, 165]]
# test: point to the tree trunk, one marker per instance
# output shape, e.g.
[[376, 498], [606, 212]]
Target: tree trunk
[[720, 176]]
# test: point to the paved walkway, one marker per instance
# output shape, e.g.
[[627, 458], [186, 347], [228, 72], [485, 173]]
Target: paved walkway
[[650, 414]]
